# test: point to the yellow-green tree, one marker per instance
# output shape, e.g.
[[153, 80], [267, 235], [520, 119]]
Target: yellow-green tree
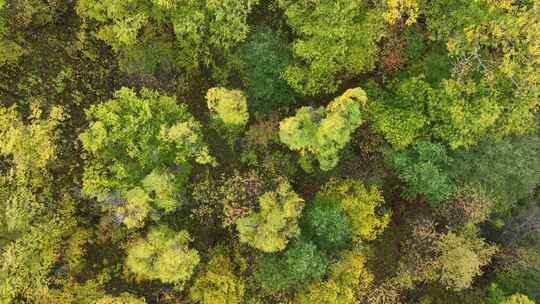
[[228, 111], [348, 281], [148, 34], [124, 298], [35, 214], [361, 205], [270, 228], [163, 255], [139, 148], [218, 284], [322, 133], [334, 38]]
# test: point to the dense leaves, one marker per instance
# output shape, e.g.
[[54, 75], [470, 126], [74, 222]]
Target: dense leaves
[[271, 228], [301, 263], [163, 255], [139, 151], [269, 151], [321, 133]]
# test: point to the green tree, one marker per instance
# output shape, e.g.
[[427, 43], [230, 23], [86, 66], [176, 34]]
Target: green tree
[[271, 228], [423, 169], [266, 56], [326, 224], [228, 111], [18, 18], [360, 203], [163, 255], [509, 170], [300, 264], [187, 34], [218, 284], [322, 133], [124, 298], [9, 49], [138, 150], [449, 259], [333, 38], [495, 88], [35, 214], [518, 299], [348, 281], [398, 111]]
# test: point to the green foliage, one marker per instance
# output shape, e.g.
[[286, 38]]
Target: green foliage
[[496, 68], [229, 107], [218, 284], [139, 149], [300, 264], [448, 259], [163, 255], [270, 228], [326, 224], [398, 113], [461, 260], [31, 147], [187, 34], [423, 170], [466, 206], [228, 111], [348, 280], [465, 113], [508, 169], [334, 38], [519, 279], [361, 205], [123, 299], [266, 56], [35, 216], [322, 133], [96, 208], [518, 299], [10, 51]]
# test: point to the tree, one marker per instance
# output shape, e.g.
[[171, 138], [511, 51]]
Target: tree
[[187, 34], [449, 259], [300, 264], [333, 38], [17, 18], [518, 299], [348, 281], [398, 112], [9, 50], [398, 10], [423, 169], [266, 55], [361, 205], [509, 170], [495, 89], [326, 224], [466, 206], [163, 255], [322, 133], [35, 214], [138, 151], [271, 228], [228, 111], [240, 192], [461, 260], [124, 298], [218, 284]]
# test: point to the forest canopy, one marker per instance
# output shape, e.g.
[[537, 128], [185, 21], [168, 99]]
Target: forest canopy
[[269, 151]]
